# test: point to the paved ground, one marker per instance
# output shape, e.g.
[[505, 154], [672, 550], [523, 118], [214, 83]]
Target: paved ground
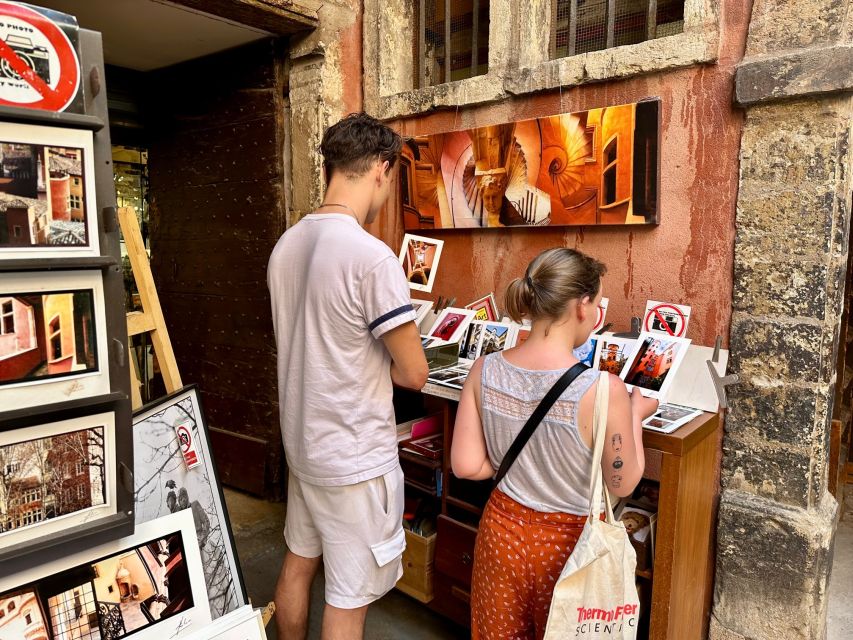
[[840, 622], [257, 529]]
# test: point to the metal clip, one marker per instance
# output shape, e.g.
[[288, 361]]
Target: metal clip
[[721, 382], [126, 477], [636, 324]]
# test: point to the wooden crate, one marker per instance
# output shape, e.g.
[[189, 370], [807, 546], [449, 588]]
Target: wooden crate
[[418, 561]]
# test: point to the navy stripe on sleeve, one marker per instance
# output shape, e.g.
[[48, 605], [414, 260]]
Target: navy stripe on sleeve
[[391, 314]]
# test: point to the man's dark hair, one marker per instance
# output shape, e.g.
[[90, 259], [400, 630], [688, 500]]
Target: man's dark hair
[[356, 142]]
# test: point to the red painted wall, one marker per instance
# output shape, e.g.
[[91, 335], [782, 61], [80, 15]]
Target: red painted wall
[[686, 259]]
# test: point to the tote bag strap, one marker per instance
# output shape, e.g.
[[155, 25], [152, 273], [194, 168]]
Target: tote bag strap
[[599, 434]]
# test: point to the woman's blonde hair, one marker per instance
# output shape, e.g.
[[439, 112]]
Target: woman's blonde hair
[[553, 278]]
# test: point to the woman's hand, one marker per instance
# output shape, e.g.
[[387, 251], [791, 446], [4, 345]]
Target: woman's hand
[[642, 406]]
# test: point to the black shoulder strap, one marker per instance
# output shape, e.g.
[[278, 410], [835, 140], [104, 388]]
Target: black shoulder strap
[[533, 421]]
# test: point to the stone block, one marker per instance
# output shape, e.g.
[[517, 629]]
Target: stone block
[[778, 285], [793, 145], [770, 471], [782, 414], [794, 222], [794, 24], [767, 352], [773, 566], [792, 75]]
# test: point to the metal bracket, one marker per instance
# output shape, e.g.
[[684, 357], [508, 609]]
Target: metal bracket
[[604, 329], [94, 82], [118, 352], [721, 382], [109, 218], [126, 477], [636, 324]]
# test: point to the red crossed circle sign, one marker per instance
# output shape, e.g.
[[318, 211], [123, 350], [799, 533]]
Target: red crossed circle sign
[[599, 320], [38, 64], [658, 312], [184, 438]]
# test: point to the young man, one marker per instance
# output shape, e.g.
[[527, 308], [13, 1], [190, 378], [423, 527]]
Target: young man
[[345, 330]]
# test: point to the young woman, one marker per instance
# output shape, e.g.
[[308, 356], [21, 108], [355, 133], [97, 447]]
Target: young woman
[[534, 517]]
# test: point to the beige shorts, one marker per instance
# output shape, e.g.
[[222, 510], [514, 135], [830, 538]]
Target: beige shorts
[[358, 529]]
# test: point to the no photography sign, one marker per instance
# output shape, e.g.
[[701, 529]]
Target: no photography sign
[[39, 66], [668, 319]]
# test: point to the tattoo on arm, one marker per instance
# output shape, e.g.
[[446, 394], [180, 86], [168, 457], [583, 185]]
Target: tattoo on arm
[[616, 480], [616, 441], [617, 463]]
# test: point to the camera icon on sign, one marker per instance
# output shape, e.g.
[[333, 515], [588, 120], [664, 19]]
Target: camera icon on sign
[[670, 320], [36, 58]]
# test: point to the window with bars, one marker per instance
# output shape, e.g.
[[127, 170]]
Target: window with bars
[[451, 41], [581, 26]]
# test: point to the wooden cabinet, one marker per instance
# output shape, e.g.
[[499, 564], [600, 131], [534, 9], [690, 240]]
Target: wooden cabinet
[[685, 463]]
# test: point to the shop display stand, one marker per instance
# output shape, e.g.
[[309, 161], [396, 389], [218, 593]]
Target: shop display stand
[[150, 320], [45, 548], [681, 576]]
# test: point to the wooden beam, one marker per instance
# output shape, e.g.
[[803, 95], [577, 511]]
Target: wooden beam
[[139, 322], [279, 17], [573, 27], [611, 23], [447, 54], [652, 20], [475, 36]]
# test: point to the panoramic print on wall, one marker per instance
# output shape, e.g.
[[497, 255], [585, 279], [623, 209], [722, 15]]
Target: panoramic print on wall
[[596, 167]]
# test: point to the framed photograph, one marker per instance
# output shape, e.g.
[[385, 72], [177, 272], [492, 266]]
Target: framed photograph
[[244, 623], [53, 337], [653, 363], [56, 476], [486, 308], [164, 484], [419, 257], [522, 333], [147, 585], [612, 353], [47, 192], [451, 324], [595, 167]]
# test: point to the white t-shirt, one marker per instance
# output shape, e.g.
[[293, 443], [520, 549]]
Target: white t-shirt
[[335, 290]]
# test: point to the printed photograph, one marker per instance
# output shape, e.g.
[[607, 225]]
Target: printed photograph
[[422, 307], [164, 485], [612, 353], [42, 196], [23, 617], [468, 348], [451, 324], [51, 477], [441, 375], [419, 257], [654, 359], [73, 613], [521, 335], [486, 308], [657, 423], [46, 335], [637, 522], [494, 338], [596, 167], [142, 586], [674, 412], [586, 352]]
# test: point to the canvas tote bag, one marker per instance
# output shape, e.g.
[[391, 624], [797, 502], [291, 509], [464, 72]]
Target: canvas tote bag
[[595, 597]]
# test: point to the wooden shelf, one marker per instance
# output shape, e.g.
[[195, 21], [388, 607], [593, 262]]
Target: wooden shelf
[[57, 264], [467, 506], [50, 118], [420, 460], [647, 574], [684, 439], [421, 487]]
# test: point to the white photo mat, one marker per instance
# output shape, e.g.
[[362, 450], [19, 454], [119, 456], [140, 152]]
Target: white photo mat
[[174, 626], [422, 308], [433, 266], [66, 522], [465, 317], [47, 390], [244, 623], [680, 346], [59, 137], [159, 469]]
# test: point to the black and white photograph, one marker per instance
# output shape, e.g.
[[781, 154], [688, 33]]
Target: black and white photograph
[[56, 476], [469, 348], [53, 337], [47, 205], [147, 584], [164, 485]]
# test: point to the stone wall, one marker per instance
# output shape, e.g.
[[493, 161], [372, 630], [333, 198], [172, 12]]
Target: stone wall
[[776, 520]]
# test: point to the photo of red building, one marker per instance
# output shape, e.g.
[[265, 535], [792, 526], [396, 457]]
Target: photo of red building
[[652, 363]]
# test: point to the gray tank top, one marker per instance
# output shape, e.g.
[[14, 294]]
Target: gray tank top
[[552, 471]]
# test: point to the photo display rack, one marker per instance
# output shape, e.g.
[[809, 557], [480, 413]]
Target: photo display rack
[[110, 397]]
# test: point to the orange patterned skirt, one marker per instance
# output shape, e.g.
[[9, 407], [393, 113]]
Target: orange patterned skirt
[[518, 557]]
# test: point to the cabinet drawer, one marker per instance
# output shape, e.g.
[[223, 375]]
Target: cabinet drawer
[[452, 599], [454, 549]]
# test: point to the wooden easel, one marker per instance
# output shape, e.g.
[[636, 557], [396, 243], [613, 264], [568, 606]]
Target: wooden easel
[[151, 321]]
